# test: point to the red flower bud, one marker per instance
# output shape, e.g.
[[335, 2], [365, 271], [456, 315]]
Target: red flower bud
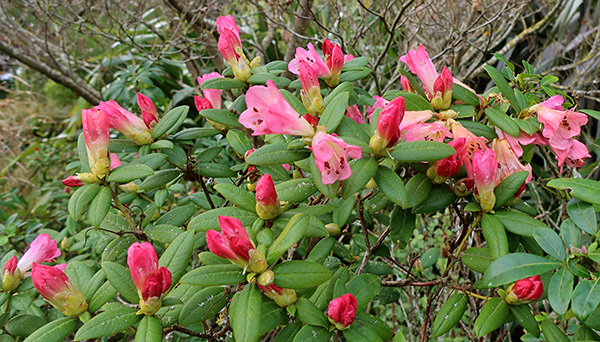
[[151, 281], [525, 290], [342, 311], [54, 285]]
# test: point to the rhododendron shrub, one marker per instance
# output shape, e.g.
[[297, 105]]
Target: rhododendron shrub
[[294, 209]]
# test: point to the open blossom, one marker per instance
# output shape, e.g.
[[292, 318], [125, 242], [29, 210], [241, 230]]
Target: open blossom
[[235, 244], [331, 157], [335, 61], [230, 46], [508, 161], [354, 113], [96, 133], [380, 102], [485, 167], [126, 122], [42, 249], [54, 285], [388, 131], [329, 69], [472, 144], [435, 131], [312, 58], [151, 281], [524, 291], [311, 90], [267, 206], [282, 297], [341, 311], [149, 113], [213, 96], [269, 113]]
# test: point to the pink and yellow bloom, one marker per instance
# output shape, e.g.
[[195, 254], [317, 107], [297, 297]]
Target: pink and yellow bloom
[[341, 311], [235, 244], [485, 170], [230, 46], [126, 122], [331, 157], [388, 126], [311, 90], [269, 113], [151, 281], [267, 205], [96, 132], [54, 285]]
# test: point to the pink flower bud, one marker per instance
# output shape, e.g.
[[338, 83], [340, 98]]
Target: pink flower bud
[[54, 285], [524, 291], [463, 187], [114, 161], [327, 47], [151, 281], [443, 169], [267, 206], [202, 103], [419, 63], [311, 90], [72, 181], [354, 113], [442, 91], [212, 95], [388, 126], [342, 311], [227, 23], [126, 122], [12, 276], [485, 169], [282, 297], [96, 133], [331, 157], [149, 114], [335, 62], [406, 86]]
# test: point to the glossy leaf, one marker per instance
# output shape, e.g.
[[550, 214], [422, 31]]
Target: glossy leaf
[[178, 255], [334, 111], [99, 206], [203, 305], [127, 173], [120, 278], [586, 298], [550, 243], [560, 290], [170, 122], [586, 190], [362, 172], [364, 287], [503, 85], [108, 322], [509, 187], [495, 236], [298, 274], [391, 185], [492, 316], [552, 332], [519, 223], [583, 215], [291, 234], [308, 313], [502, 121], [402, 226], [418, 151], [276, 154], [418, 187], [525, 318], [237, 196], [449, 315], [214, 275], [513, 267], [222, 83], [477, 258], [149, 330], [80, 200], [54, 331], [245, 313], [295, 190]]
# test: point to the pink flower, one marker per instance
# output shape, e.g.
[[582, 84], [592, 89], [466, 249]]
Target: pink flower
[[435, 131], [388, 126], [202, 103], [443, 169], [42, 249], [212, 95], [72, 181], [230, 46], [331, 157], [312, 58], [342, 311], [380, 102], [508, 161], [151, 281], [354, 113], [413, 118], [96, 132], [267, 206], [335, 61], [269, 113], [472, 144], [54, 285], [406, 86], [227, 23], [311, 90], [485, 168], [419, 63], [525, 290], [235, 244], [149, 114], [442, 91], [127, 123], [282, 297], [577, 153]]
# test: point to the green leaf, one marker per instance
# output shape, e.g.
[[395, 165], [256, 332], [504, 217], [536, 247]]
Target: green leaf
[[373, 323], [194, 133], [362, 172], [552, 333], [99, 206], [449, 315], [214, 275], [560, 290], [392, 186], [298, 274], [321, 250], [355, 63], [239, 141], [583, 215], [203, 305], [120, 146], [516, 266], [358, 333], [245, 312], [586, 298], [177, 216], [503, 86], [127, 173], [412, 102], [364, 287], [159, 179], [525, 318], [477, 258], [342, 213], [178, 255], [149, 330], [354, 75], [276, 154], [295, 190], [310, 333], [54, 331], [24, 324], [465, 95], [215, 170], [222, 116], [334, 111], [418, 151], [237, 196], [170, 122], [402, 226], [418, 187], [495, 236], [519, 223], [570, 233], [479, 129], [502, 121], [263, 77], [586, 190], [82, 153], [430, 257], [102, 295], [492, 316], [79, 273], [115, 320], [344, 87], [272, 317], [413, 82], [210, 219], [329, 190], [308, 313], [222, 83], [153, 160], [80, 199], [291, 234], [91, 286], [550, 243], [293, 100], [508, 188], [161, 144], [120, 278], [439, 198]]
